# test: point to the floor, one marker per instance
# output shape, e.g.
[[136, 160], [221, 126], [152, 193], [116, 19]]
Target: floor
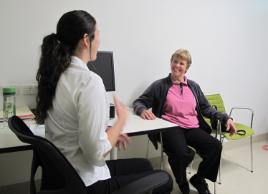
[[235, 174], [236, 179]]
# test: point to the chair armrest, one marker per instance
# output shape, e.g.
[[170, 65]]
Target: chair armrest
[[244, 108], [145, 184], [241, 108]]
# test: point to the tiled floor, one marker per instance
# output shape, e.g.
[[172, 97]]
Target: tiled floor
[[236, 179]]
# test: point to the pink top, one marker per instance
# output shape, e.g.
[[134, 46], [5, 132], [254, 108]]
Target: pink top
[[180, 105]]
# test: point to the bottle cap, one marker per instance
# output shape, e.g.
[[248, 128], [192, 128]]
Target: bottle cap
[[9, 90]]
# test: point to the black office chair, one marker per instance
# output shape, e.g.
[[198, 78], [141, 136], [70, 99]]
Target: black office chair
[[58, 175]]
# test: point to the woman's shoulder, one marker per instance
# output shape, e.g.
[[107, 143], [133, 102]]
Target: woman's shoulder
[[90, 77], [82, 78], [162, 81], [192, 82]]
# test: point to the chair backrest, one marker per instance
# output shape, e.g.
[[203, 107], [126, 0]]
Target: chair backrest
[[58, 175], [216, 100]]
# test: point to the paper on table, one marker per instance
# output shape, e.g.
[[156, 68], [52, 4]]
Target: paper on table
[[24, 113], [38, 130]]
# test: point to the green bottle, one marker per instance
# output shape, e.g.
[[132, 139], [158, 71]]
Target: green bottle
[[9, 102]]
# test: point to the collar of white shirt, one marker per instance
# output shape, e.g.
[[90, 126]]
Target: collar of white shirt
[[77, 62]]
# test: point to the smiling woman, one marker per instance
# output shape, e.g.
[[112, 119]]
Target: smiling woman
[[181, 101], [180, 62]]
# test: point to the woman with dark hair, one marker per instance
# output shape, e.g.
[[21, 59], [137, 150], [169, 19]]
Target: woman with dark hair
[[71, 102]]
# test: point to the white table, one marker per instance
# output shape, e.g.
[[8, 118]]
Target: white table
[[137, 126], [9, 141], [134, 126]]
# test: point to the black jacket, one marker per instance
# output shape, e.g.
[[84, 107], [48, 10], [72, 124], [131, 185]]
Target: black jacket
[[155, 96]]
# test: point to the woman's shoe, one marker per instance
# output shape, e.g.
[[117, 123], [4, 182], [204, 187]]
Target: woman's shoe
[[200, 184], [185, 189]]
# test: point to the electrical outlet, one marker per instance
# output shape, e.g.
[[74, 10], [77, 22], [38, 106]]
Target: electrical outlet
[[26, 90], [29, 90]]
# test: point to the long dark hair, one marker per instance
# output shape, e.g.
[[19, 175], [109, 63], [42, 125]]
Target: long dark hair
[[56, 52]]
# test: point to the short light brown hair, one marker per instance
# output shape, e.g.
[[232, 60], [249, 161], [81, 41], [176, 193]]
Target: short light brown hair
[[183, 54]]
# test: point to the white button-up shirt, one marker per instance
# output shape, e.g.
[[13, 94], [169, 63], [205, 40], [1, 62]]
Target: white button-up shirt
[[77, 121]]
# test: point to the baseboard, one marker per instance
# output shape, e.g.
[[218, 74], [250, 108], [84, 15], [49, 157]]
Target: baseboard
[[19, 188]]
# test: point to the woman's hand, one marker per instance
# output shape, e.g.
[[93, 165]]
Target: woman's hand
[[230, 126], [148, 115], [123, 141], [115, 131], [121, 110]]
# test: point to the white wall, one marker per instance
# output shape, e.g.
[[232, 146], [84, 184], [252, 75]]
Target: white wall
[[228, 41]]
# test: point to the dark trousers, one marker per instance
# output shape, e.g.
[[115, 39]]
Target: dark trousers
[[125, 171], [176, 142]]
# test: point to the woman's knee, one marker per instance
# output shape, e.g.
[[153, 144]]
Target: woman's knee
[[181, 154]]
